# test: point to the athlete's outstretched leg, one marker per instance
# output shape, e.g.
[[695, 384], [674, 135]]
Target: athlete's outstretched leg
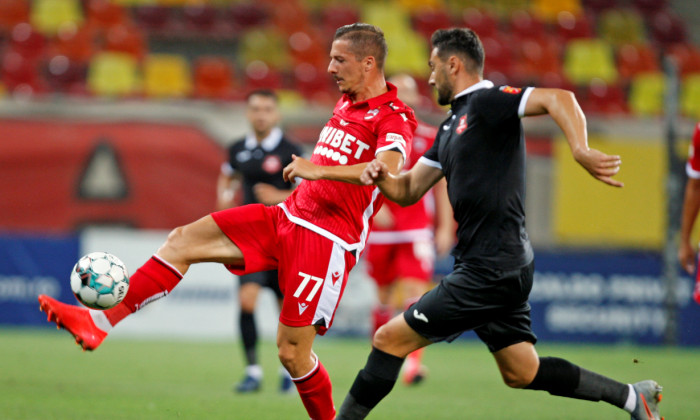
[[521, 367], [197, 242]]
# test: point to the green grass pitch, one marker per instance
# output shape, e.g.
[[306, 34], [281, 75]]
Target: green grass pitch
[[44, 375]]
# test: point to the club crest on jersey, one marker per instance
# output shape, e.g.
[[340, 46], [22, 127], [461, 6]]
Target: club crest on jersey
[[462, 124], [371, 114], [272, 164], [510, 89]]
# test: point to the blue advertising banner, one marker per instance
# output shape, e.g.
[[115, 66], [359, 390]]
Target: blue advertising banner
[[609, 296], [30, 266]]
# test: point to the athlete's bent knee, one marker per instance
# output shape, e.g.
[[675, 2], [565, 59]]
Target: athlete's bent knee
[[515, 379]]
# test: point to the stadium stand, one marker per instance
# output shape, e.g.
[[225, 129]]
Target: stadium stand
[[608, 51]]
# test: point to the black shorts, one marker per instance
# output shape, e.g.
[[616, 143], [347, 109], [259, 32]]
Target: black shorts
[[492, 302], [264, 279]]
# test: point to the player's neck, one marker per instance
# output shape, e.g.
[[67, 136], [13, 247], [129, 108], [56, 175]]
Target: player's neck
[[371, 90], [466, 81]]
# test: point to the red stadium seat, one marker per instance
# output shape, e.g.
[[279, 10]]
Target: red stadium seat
[[570, 26], [604, 99], [686, 56], [597, 6], [499, 59], [127, 39], [667, 28], [334, 16], [13, 12], [214, 78], [155, 19], [525, 25], [633, 59], [538, 59], [20, 74], [75, 43], [26, 41], [314, 84], [247, 14], [480, 21], [427, 20], [259, 75], [105, 13], [66, 76], [650, 7]]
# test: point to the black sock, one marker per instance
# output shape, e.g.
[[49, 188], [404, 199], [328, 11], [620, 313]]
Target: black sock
[[372, 384], [249, 336], [563, 378]]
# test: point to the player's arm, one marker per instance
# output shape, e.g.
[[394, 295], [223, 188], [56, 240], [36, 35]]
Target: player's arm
[[445, 222], [405, 188], [302, 168], [691, 206], [226, 186], [562, 106]]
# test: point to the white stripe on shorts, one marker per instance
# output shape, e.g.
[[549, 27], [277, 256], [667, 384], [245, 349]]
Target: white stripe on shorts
[[330, 294]]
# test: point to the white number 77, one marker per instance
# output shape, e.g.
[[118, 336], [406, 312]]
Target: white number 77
[[302, 286]]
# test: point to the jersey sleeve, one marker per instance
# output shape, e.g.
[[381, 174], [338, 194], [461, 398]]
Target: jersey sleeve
[[692, 167], [503, 103], [395, 132], [430, 157]]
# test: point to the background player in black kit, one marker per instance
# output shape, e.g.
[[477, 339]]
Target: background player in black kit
[[255, 165], [480, 150]]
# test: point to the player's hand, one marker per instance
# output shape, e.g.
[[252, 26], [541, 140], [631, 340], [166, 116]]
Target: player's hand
[[602, 166], [686, 256], [302, 168], [375, 171]]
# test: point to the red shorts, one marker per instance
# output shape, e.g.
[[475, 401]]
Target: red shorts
[[388, 262], [313, 270]]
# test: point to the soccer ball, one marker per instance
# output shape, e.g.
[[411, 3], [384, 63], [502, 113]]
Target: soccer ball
[[99, 280]]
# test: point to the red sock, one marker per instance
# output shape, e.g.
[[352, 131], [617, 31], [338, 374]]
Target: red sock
[[316, 393], [380, 315], [155, 279]]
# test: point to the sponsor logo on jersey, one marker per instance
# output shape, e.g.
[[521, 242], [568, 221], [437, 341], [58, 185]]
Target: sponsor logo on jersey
[[396, 138], [394, 107], [343, 122], [510, 89], [339, 146], [302, 307], [272, 164], [371, 114], [462, 124]]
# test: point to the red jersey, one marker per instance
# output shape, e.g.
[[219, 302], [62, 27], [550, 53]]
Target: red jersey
[[355, 133], [692, 168], [414, 222]]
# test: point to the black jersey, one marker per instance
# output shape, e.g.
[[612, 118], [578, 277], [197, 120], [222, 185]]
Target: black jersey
[[261, 162], [481, 151]]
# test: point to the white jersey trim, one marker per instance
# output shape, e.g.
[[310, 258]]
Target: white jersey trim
[[330, 291], [692, 173], [400, 236], [392, 146], [425, 161], [523, 101], [358, 246]]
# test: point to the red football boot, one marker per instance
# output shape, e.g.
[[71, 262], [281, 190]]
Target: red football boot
[[75, 320]]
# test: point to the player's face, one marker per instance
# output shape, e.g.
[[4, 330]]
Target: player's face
[[262, 114], [345, 68], [439, 79]]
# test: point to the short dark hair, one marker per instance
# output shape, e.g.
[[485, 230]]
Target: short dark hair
[[267, 93], [462, 42], [365, 40]]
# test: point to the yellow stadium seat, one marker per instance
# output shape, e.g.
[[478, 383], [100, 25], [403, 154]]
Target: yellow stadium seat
[[690, 96], [113, 74], [588, 59], [48, 15], [166, 76], [266, 45], [620, 26], [646, 97], [548, 10]]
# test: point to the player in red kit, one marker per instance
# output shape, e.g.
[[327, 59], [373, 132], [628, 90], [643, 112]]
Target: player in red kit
[[313, 238], [691, 204], [401, 251]]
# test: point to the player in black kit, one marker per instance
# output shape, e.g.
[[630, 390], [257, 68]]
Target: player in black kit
[[255, 163], [480, 150]]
